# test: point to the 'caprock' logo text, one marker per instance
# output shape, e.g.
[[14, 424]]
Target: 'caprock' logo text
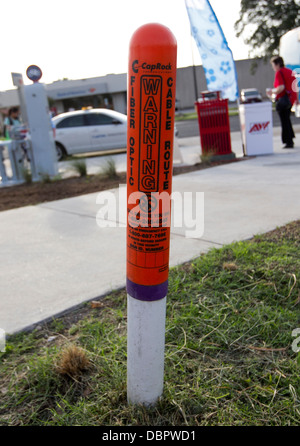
[[150, 67]]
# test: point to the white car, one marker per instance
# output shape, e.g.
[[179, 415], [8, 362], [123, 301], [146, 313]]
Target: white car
[[250, 95], [89, 131]]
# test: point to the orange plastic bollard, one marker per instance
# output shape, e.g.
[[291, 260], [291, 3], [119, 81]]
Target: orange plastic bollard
[[150, 138]]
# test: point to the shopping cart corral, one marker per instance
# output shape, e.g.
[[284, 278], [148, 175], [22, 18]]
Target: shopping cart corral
[[16, 158], [29, 153]]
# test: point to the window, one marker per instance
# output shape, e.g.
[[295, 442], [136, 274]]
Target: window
[[72, 121], [99, 119], [251, 92]]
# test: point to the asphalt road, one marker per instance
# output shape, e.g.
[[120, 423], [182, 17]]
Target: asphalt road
[[191, 128]]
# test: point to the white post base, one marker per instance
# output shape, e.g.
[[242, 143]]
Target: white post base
[[145, 350]]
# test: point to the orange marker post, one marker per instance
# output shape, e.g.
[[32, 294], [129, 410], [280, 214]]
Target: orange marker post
[[150, 138]]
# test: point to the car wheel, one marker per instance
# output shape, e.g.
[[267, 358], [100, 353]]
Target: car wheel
[[60, 151]]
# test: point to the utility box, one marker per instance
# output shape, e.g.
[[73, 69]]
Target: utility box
[[39, 123], [214, 126], [257, 128]]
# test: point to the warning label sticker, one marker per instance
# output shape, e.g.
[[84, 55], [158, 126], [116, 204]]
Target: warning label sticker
[[151, 99]]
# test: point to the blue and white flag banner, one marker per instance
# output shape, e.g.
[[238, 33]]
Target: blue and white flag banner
[[215, 54]]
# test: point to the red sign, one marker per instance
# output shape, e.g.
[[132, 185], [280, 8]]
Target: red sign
[[259, 127]]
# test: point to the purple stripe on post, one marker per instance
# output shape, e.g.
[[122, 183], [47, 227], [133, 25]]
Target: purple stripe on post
[[147, 293]]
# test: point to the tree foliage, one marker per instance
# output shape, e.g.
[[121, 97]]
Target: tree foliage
[[263, 22]]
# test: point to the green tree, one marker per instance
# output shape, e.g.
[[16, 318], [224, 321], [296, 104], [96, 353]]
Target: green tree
[[263, 22]]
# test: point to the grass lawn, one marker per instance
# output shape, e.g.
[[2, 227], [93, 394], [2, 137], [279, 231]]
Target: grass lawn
[[230, 356]]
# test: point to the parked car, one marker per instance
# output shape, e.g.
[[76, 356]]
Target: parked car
[[209, 95], [89, 131], [250, 95]]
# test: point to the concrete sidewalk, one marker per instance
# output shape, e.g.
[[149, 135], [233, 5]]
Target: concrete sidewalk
[[54, 256]]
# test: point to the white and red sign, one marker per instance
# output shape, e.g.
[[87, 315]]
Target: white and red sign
[[259, 127]]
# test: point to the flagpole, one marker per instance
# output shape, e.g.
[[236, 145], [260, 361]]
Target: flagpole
[[216, 56], [194, 72]]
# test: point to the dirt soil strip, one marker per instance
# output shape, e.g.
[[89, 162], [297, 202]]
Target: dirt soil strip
[[13, 197]]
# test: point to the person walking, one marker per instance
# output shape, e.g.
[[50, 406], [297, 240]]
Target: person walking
[[286, 95], [10, 121]]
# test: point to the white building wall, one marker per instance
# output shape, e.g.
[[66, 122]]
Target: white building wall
[[116, 85]]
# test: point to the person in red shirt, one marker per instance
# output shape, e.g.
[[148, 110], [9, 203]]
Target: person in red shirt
[[284, 84]]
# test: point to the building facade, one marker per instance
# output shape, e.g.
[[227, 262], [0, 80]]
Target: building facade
[[110, 91]]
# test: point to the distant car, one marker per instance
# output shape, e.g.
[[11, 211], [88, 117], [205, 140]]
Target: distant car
[[209, 95], [250, 95], [89, 131]]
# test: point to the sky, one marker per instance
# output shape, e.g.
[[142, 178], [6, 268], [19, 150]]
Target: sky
[[78, 39]]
